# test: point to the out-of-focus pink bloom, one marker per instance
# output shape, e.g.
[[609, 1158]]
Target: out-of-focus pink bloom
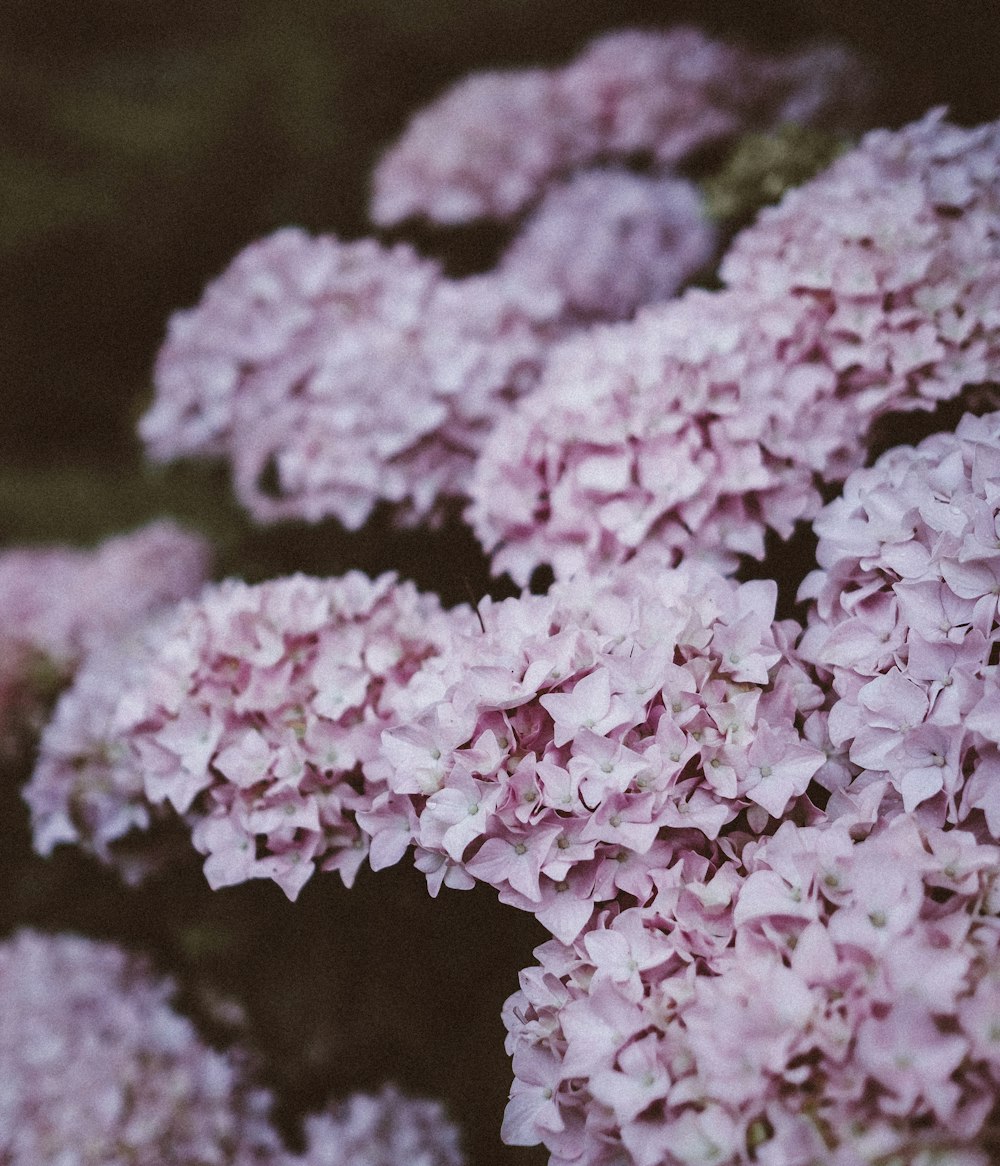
[[490, 145], [610, 241], [585, 739], [58, 603], [904, 622], [97, 1067], [337, 375], [837, 1015], [381, 1129]]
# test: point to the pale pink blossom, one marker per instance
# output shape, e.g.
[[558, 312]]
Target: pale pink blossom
[[381, 1129], [490, 145], [579, 742], [768, 1026], [904, 625], [252, 712], [898, 243], [703, 423], [58, 603], [611, 241], [339, 375]]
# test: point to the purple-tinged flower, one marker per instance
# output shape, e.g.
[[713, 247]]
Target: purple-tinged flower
[[609, 241], [59, 603], [97, 1067], [381, 1129], [489, 146]]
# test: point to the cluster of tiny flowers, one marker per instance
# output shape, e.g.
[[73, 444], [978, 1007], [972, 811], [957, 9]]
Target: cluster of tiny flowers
[[86, 789], [898, 243], [688, 430], [58, 603], [251, 712], [703, 422], [904, 623], [97, 1069], [611, 241], [582, 740], [303, 340], [489, 146], [383, 1129], [825, 996]]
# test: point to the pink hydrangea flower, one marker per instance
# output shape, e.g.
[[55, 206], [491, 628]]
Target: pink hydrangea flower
[[584, 739], [382, 1129], [817, 995], [86, 789], [58, 603], [688, 430], [253, 713], [491, 144], [97, 1067], [611, 241], [62, 601], [338, 375], [704, 422], [898, 243], [904, 623]]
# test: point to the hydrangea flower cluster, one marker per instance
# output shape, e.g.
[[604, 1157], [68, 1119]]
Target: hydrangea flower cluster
[[251, 711], [611, 241], [705, 421], [584, 739], [898, 243], [303, 340], [383, 1129], [99, 1070], [490, 145], [687, 431], [59, 603], [86, 789], [823, 995], [904, 623]]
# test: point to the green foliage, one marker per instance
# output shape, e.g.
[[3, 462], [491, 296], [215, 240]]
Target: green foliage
[[77, 505], [761, 167]]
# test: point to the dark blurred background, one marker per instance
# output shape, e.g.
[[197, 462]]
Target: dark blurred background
[[142, 144]]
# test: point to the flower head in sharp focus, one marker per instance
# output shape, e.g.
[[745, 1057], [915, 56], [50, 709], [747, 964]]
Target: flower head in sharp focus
[[590, 737], [254, 714], [490, 146], [904, 624], [820, 995]]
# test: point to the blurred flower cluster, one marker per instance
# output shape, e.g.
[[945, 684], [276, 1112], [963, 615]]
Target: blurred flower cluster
[[766, 849]]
